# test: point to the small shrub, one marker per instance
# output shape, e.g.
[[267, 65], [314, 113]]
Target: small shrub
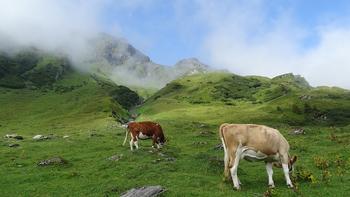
[[270, 192], [296, 109], [321, 163], [326, 175], [303, 174], [339, 161], [279, 109]]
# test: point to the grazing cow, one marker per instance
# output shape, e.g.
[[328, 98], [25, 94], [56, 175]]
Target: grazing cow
[[255, 143], [144, 130]]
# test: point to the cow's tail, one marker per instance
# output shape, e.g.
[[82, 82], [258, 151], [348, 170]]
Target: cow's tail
[[226, 155], [126, 134]]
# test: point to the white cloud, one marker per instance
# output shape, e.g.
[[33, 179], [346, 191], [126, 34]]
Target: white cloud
[[50, 25], [238, 35], [329, 62], [245, 39]]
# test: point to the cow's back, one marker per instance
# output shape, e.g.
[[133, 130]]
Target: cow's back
[[259, 137]]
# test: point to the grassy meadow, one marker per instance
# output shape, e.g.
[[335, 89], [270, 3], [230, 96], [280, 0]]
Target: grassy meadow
[[190, 111]]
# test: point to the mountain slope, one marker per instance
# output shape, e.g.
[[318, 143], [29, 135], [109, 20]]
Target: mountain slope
[[287, 98], [46, 86]]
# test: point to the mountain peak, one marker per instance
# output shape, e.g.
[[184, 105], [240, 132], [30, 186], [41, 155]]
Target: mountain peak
[[116, 51], [290, 77], [190, 66], [191, 62]]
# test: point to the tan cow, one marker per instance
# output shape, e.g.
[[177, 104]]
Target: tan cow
[[255, 143]]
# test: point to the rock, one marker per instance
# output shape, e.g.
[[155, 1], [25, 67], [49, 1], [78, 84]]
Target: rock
[[13, 145], [203, 125], [305, 97], [205, 133], [200, 143], [146, 191], [156, 160], [170, 159], [96, 135], [115, 157], [134, 116], [162, 154], [41, 137], [53, 161], [298, 132], [218, 147], [18, 137], [10, 135], [15, 136]]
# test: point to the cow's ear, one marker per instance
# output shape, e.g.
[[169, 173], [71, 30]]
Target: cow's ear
[[294, 159]]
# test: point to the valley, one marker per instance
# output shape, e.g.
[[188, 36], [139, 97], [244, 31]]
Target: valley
[[45, 95]]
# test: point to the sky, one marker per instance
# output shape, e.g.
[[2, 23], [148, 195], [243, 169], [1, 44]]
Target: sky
[[246, 37]]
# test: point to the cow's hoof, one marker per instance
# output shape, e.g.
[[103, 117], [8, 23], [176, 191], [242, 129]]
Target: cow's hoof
[[237, 188], [290, 186], [271, 186]]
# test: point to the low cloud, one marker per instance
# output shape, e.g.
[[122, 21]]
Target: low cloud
[[61, 26]]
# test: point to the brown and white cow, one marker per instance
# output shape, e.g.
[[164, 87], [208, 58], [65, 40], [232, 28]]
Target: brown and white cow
[[144, 130], [255, 143]]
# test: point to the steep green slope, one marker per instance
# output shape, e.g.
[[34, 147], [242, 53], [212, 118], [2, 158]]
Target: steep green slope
[[31, 68], [45, 86]]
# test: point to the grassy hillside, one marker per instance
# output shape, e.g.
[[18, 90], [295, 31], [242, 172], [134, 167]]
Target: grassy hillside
[[286, 99], [190, 110]]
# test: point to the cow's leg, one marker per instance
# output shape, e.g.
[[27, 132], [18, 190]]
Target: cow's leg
[[286, 175], [226, 161], [131, 141], [284, 161], [233, 171], [270, 173], [136, 142], [126, 137], [131, 144], [154, 141]]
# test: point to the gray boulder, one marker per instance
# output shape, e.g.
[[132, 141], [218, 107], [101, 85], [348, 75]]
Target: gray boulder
[[146, 191], [14, 136], [52, 161], [41, 137]]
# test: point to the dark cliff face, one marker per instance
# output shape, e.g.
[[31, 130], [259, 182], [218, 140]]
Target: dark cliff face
[[31, 67]]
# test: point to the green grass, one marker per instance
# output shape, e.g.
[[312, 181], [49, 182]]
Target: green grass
[[198, 167]]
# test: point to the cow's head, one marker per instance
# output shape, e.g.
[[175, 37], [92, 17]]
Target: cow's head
[[161, 141], [291, 162]]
